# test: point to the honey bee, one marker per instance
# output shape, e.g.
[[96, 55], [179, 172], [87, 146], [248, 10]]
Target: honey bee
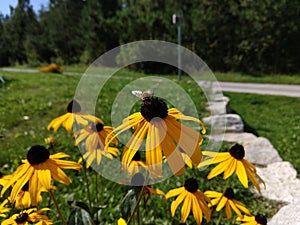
[[144, 94]]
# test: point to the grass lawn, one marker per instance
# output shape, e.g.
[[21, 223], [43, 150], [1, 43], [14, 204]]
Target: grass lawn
[[29, 101], [274, 117]]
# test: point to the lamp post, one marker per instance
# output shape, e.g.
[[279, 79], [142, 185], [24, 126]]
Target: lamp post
[[177, 19]]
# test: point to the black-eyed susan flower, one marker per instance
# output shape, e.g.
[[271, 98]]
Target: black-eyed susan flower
[[164, 133], [73, 116], [23, 199], [51, 140], [230, 162], [4, 209], [96, 155], [136, 165], [253, 220], [94, 137], [227, 200], [38, 169], [30, 216], [193, 199]]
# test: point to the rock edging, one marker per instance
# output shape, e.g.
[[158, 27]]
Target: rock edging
[[280, 176]]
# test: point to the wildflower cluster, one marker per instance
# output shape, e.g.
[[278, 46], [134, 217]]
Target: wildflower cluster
[[158, 138]]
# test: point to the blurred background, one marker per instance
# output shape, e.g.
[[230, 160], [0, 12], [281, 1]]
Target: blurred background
[[245, 36]]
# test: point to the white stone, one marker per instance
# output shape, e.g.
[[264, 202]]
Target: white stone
[[218, 105], [226, 122], [287, 215], [261, 152], [281, 182], [240, 138]]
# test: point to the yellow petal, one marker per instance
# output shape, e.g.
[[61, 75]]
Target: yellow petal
[[153, 150], [235, 209], [228, 211], [135, 142], [188, 139], [173, 156], [197, 212], [240, 206], [221, 203], [21, 182], [186, 207], [178, 200], [44, 176], [230, 169], [221, 167], [121, 221], [241, 173], [174, 192]]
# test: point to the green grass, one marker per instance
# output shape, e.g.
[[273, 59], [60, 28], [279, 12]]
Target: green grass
[[274, 117], [229, 77], [42, 97], [272, 79]]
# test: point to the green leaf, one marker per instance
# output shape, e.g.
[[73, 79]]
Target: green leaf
[[80, 214], [128, 203]]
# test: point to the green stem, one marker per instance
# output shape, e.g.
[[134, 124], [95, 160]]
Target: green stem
[[138, 216], [57, 207], [220, 218], [224, 190], [87, 184], [136, 205]]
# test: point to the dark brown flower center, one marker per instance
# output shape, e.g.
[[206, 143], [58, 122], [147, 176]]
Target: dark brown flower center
[[26, 187], [97, 127], [229, 193], [191, 185], [154, 107], [73, 107], [137, 180], [137, 156], [261, 219], [37, 154], [237, 151], [22, 218]]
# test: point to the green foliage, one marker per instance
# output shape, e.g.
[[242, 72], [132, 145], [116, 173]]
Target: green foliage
[[80, 214], [242, 36], [273, 117], [46, 98]]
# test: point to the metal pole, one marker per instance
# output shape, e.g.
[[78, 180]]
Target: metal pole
[[179, 46]]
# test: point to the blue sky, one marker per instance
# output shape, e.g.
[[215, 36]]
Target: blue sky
[[4, 5]]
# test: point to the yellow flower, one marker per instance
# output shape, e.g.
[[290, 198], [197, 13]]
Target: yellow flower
[[3, 209], [23, 199], [163, 135], [30, 216], [136, 165], [51, 140], [121, 221], [230, 162], [73, 116], [39, 168], [227, 200], [192, 198], [253, 220], [96, 155], [94, 136]]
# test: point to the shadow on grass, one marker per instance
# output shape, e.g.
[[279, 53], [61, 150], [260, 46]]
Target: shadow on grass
[[247, 127]]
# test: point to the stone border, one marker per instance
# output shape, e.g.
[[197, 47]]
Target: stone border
[[280, 176]]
